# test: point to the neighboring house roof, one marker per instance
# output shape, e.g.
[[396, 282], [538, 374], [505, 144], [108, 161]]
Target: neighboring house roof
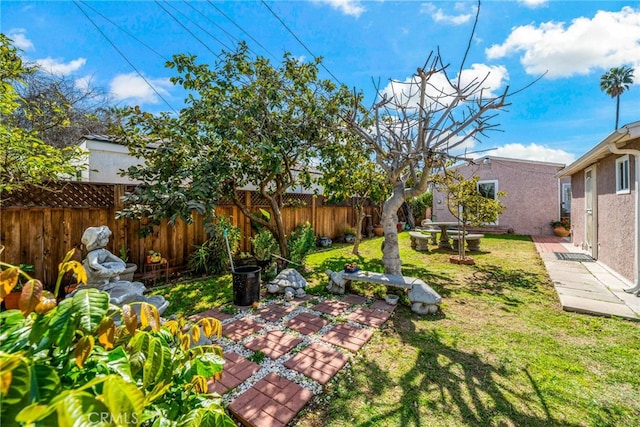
[[619, 137], [508, 159]]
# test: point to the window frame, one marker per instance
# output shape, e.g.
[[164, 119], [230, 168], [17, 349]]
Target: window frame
[[623, 175]]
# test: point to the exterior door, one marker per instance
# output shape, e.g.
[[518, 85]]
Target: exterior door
[[591, 212]]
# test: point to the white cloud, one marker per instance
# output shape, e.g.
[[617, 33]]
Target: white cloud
[[532, 151], [20, 40], [83, 83], [348, 7], [533, 3], [438, 15], [133, 88], [493, 78], [609, 39], [58, 68]]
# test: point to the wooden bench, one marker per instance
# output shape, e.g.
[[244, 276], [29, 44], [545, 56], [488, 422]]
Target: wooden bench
[[473, 241], [424, 300]]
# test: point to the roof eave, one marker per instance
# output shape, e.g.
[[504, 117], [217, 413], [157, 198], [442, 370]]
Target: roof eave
[[601, 150]]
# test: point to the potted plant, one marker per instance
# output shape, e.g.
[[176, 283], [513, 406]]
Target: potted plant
[[561, 228], [264, 245], [11, 300], [378, 230], [348, 232], [127, 274]]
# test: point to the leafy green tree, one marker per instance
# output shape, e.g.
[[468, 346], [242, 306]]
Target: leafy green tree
[[24, 158], [247, 123], [467, 203], [416, 124], [615, 82], [348, 172]]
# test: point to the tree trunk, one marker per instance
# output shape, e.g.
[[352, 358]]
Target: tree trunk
[[617, 110], [281, 233], [361, 216], [391, 250]]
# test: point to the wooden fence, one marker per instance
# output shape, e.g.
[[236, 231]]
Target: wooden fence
[[38, 227]]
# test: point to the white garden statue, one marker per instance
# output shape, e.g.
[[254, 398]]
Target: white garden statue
[[104, 268]]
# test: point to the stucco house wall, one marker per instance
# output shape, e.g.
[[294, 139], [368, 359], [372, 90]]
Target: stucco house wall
[[105, 159], [533, 193], [615, 213]]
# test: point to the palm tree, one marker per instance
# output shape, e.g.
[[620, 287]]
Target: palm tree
[[614, 82]]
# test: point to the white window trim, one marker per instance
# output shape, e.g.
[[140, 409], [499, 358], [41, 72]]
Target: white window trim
[[495, 194], [623, 160]]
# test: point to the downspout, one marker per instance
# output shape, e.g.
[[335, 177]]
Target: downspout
[[636, 155]]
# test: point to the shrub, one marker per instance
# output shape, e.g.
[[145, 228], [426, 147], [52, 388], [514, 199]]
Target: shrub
[[211, 257], [420, 204], [300, 242], [71, 364]]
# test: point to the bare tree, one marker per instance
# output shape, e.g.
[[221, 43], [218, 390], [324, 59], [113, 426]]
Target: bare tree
[[59, 110], [416, 124]]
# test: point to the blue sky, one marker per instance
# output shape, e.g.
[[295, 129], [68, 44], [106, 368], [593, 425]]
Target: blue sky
[[557, 119]]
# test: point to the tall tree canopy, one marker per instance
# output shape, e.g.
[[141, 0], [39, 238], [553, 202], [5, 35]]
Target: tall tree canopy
[[348, 171], [416, 124], [24, 158], [247, 123], [615, 82]]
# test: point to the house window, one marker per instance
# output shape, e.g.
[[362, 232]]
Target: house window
[[622, 175], [488, 189]]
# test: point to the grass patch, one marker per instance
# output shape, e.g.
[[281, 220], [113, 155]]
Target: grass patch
[[500, 353]]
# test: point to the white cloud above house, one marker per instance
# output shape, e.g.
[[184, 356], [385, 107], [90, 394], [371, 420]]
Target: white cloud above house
[[61, 68], [585, 45], [463, 13], [531, 151], [20, 40], [348, 7], [133, 88]]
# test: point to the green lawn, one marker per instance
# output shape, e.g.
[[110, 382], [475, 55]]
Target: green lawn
[[500, 353]]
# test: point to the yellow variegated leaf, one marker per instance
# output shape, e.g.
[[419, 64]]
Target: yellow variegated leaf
[[8, 281], [195, 333], [47, 303], [30, 297], [199, 384], [130, 319], [106, 333], [83, 349], [207, 327], [185, 342], [172, 326], [5, 381], [149, 317], [68, 255], [78, 270]]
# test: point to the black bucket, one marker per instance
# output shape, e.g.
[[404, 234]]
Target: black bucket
[[246, 285]]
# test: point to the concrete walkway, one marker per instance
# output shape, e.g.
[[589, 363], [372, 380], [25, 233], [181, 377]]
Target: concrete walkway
[[583, 284]]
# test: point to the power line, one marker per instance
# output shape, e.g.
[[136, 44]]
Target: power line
[[242, 29], [188, 30], [124, 57], [125, 31], [300, 41]]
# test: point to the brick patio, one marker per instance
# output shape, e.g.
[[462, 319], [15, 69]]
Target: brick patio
[[305, 340]]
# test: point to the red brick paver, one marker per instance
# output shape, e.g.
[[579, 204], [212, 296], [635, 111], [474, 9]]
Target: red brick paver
[[272, 401], [236, 370], [273, 344], [347, 336], [549, 244], [273, 312], [382, 305], [369, 316], [214, 312], [332, 307], [307, 323], [241, 328], [318, 362], [354, 299]]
